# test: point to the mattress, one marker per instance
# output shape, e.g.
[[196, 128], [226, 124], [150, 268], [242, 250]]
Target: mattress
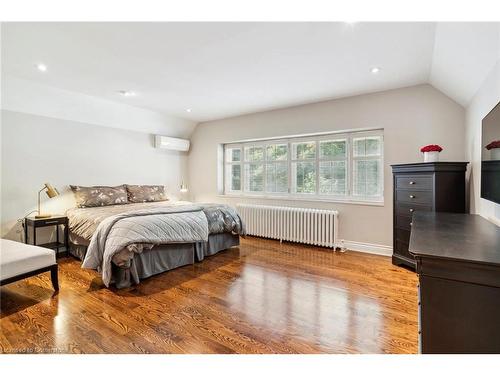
[[83, 222], [224, 226]]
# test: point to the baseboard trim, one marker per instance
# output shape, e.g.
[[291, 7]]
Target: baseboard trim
[[369, 248], [493, 219]]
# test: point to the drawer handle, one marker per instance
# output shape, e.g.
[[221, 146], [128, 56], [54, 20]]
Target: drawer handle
[[51, 222], [412, 196], [411, 210], [412, 182]]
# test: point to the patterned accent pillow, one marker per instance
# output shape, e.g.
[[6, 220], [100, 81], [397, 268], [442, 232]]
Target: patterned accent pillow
[[94, 196], [146, 193]]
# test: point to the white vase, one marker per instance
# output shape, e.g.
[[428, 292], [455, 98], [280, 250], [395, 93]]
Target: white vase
[[431, 156], [495, 154]]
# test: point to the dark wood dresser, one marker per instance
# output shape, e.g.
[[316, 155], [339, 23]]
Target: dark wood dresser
[[458, 264], [431, 187]]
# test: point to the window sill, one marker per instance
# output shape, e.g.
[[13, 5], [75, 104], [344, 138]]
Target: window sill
[[304, 199]]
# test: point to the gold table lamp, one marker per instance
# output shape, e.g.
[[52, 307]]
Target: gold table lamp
[[51, 192]]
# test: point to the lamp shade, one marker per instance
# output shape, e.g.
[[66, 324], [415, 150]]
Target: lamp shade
[[51, 191]]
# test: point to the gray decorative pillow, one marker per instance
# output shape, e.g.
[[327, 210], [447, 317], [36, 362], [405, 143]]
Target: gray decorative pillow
[[146, 193], [94, 196]]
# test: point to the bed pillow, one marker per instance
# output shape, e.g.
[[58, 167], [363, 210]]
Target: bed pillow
[[95, 196], [146, 193]]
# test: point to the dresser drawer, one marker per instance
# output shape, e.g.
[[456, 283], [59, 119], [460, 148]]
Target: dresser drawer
[[409, 209], [414, 182], [418, 197], [403, 222], [403, 235]]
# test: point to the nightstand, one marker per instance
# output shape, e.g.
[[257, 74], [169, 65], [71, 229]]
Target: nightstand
[[47, 222]]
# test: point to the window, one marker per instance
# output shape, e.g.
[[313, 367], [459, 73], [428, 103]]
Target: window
[[333, 167], [277, 168], [304, 167], [367, 166], [233, 169], [340, 166]]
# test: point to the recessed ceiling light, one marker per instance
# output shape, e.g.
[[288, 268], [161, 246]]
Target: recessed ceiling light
[[41, 67], [126, 93], [375, 70], [189, 110]]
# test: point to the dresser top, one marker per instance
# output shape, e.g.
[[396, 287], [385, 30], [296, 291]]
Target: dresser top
[[439, 166], [460, 237]]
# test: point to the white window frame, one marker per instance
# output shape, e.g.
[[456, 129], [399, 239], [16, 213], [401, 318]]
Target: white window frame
[[346, 159], [317, 196], [246, 163], [227, 164], [366, 157], [266, 162]]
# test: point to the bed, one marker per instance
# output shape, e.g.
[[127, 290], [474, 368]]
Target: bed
[[149, 238]]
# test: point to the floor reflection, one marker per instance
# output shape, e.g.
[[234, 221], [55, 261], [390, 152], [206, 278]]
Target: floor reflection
[[318, 311], [264, 297]]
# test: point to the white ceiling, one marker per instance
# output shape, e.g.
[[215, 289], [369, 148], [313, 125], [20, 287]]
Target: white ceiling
[[227, 69]]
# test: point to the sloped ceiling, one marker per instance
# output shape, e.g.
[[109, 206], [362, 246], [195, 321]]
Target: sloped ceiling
[[464, 53], [221, 70]]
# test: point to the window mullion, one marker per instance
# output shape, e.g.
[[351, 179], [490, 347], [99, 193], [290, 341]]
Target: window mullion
[[350, 168], [265, 169], [317, 169], [289, 161]]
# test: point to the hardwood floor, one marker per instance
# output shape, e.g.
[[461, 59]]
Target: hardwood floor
[[262, 297]]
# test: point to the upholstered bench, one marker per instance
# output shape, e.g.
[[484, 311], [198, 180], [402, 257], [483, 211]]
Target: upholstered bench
[[19, 261]]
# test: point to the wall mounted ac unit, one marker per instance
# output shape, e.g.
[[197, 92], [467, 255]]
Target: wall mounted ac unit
[[169, 143]]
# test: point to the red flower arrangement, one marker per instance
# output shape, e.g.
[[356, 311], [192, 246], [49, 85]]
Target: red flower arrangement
[[492, 145], [430, 148]]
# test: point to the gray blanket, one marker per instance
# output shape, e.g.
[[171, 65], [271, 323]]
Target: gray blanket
[[222, 219], [131, 232], [83, 222]]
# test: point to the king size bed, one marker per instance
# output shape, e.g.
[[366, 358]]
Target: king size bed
[[133, 240]]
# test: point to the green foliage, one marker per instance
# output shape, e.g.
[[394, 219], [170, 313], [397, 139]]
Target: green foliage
[[367, 146], [235, 154], [306, 177], [236, 177], [277, 152], [306, 150], [332, 177], [256, 177], [277, 178], [331, 149], [254, 153]]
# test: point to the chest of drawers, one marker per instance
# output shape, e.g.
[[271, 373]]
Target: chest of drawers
[[458, 263], [436, 186]]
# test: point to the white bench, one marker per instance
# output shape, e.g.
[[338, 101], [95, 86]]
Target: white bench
[[19, 261]]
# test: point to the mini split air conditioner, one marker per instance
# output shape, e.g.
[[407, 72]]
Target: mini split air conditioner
[[168, 143]]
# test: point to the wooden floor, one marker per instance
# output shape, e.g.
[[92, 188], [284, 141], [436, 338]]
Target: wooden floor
[[262, 297]]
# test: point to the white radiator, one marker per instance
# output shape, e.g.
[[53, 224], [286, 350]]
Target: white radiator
[[304, 225]]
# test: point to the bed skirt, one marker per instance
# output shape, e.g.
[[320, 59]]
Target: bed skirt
[[163, 257], [216, 243]]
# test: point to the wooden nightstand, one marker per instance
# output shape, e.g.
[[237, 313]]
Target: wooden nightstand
[[47, 222]]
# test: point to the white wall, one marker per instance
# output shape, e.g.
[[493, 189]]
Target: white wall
[[38, 149], [56, 136], [411, 117], [483, 102]]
